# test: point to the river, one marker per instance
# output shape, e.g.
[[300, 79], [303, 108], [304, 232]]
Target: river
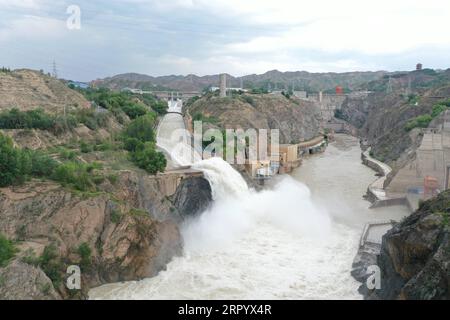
[[296, 240]]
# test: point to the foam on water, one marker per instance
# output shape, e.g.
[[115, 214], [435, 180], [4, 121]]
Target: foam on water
[[253, 245]]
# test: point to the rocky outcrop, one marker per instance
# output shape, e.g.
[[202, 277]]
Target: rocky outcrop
[[193, 196], [297, 120], [381, 119], [124, 233], [415, 254], [22, 281]]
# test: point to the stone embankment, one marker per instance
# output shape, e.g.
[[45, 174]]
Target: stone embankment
[[376, 190]]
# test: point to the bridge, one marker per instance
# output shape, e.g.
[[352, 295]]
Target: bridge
[[166, 95]]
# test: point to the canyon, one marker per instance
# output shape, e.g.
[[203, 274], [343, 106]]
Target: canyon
[[209, 230]]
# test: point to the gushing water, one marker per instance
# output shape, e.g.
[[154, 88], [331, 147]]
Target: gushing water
[[273, 244]]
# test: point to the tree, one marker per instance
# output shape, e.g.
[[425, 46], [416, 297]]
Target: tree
[[149, 159], [9, 162], [141, 128]]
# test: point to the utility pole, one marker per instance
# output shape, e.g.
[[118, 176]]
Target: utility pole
[[55, 70]]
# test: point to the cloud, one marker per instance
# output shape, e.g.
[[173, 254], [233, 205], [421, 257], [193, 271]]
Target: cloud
[[239, 37], [32, 28], [371, 34]]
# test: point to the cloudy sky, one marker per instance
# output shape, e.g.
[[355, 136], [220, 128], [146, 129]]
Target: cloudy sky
[[161, 37]]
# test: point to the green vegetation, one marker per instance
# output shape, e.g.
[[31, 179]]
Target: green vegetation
[[147, 158], [132, 105], [7, 251], [80, 176], [259, 91], [5, 70], [116, 216], [413, 99], [248, 100], [287, 94], [419, 122], [139, 140], [10, 170], [198, 116], [39, 119], [85, 253], [85, 147], [32, 119], [17, 165], [142, 128], [91, 118], [50, 263], [423, 121]]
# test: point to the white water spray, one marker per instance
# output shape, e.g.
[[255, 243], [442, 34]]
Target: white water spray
[[274, 244]]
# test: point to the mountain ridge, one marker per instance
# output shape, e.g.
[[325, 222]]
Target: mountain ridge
[[299, 80]]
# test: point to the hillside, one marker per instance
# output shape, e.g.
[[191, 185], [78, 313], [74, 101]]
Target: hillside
[[383, 118], [28, 89], [82, 188], [297, 120], [415, 254], [300, 80]]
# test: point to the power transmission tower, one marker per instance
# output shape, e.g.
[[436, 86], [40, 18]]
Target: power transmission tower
[[55, 70]]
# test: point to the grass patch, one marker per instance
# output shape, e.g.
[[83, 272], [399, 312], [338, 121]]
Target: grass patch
[[7, 251]]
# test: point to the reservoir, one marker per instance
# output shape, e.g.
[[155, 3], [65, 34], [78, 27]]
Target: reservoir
[[295, 240]]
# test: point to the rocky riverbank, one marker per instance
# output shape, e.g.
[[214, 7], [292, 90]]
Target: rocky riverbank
[[415, 254], [127, 233]]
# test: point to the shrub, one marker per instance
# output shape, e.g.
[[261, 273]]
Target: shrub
[[10, 168], [91, 118], [160, 107], [141, 128], [133, 144], [85, 253], [248, 100], [419, 122], [77, 175], [149, 159], [41, 164], [437, 110], [32, 119], [50, 263], [85, 147], [66, 154], [116, 216], [134, 110], [17, 165], [7, 251]]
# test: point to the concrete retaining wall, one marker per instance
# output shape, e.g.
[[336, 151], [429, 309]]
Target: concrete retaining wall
[[375, 192]]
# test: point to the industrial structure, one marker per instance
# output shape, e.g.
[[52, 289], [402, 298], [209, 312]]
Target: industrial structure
[[223, 85]]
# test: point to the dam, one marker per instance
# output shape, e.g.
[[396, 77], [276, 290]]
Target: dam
[[306, 226]]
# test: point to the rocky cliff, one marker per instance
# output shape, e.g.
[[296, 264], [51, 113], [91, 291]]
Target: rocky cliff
[[297, 120], [127, 233], [415, 254], [381, 117]]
